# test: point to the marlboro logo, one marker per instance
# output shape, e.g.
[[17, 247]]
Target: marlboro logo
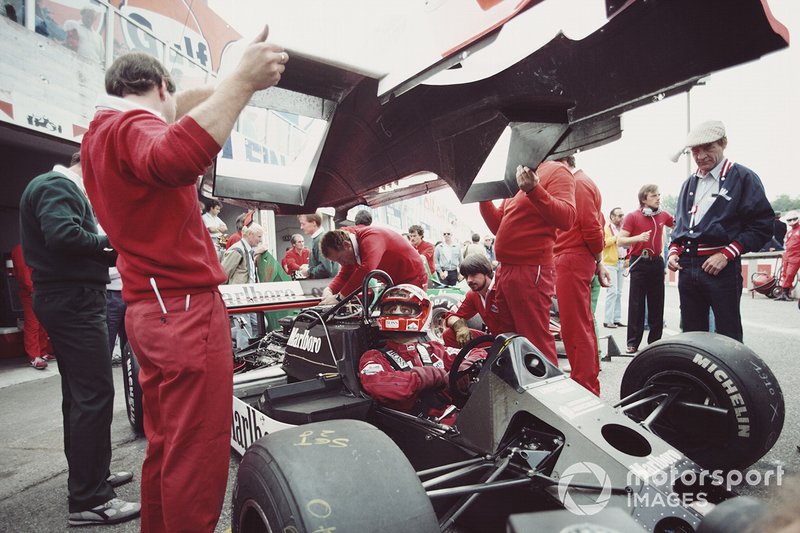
[[304, 341]]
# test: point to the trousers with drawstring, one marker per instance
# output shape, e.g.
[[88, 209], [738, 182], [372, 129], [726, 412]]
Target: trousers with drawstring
[[524, 294]]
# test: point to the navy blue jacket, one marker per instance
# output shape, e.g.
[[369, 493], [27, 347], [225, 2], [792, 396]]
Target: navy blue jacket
[[739, 220]]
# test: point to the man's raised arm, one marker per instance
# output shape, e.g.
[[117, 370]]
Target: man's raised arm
[[261, 67]]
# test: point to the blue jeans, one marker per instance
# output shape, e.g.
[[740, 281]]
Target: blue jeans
[[700, 291], [451, 278], [614, 293]]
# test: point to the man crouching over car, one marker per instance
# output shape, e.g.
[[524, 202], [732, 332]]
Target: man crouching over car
[[407, 374]]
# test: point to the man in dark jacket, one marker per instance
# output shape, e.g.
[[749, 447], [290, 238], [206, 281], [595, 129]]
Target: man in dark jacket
[[70, 263], [318, 267], [722, 213]]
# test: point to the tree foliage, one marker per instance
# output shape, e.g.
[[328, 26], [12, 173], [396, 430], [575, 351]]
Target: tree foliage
[[784, 203], [669, 203]]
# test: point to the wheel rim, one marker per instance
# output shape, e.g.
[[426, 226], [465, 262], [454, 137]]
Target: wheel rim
[[671, 401], [436, 330], [252, 518]]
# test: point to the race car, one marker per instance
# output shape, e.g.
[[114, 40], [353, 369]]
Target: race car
[[258, 365], [322, 454]]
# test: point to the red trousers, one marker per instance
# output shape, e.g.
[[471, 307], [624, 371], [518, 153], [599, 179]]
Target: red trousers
[[524, 293], [788, 272], [37, 343], [449, 337], [574, 292], [186, 375]]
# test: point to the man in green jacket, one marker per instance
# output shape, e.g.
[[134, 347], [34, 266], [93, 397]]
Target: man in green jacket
[[319, 267], [70, 263]]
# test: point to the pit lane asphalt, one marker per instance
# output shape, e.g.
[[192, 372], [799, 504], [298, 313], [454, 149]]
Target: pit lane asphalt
[[33, 470]]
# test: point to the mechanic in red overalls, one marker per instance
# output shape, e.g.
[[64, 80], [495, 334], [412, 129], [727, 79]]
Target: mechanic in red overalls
[[480, 300], [525, 228], [579, 254], [145, 147], [791, 257], [362, 249], [407, 374], [37, 343]]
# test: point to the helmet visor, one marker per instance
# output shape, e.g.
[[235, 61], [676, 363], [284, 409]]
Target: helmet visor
[[399, 309]]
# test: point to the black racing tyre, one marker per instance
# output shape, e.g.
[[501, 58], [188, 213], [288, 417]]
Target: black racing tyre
[[133, 392], [441, 304], [736, 514], [712, 398], [338, 475]]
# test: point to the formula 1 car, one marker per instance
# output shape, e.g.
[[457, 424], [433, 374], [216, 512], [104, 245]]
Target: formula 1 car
[[258, 365], [527, 438]]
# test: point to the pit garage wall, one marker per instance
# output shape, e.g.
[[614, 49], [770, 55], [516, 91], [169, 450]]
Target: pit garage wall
[[47, 94]]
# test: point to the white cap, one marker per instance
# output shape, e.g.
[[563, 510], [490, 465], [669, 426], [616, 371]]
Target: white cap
[[791, 214], [704, 133]]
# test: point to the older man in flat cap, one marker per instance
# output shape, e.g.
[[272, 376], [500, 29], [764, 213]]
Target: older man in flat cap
[[722, 213]]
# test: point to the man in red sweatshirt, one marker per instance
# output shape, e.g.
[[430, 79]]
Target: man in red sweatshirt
[[361, 249], [141, 164], [423, 247], [525, 229], [643, 231], [579, 254], [296, 256]]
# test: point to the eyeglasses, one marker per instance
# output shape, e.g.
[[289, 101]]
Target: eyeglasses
[[445, 234], [787, 220]]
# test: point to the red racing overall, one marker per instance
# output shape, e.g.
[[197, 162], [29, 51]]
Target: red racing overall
[[140, 174], [525, 228], [791, 257], [575, 252], [411, 377]]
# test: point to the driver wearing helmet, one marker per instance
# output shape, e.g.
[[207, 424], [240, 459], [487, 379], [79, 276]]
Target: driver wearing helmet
[[407, 374]]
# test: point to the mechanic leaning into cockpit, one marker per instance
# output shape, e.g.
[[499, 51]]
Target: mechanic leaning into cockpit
[[408, 374], [480, 300]]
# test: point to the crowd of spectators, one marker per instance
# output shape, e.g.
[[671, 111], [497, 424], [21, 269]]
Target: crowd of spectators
[[80, 34]]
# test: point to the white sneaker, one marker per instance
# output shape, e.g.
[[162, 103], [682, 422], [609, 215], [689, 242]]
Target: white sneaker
[[113, 511]]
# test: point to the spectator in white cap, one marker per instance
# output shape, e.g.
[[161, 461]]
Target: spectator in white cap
[[722, 213], [791, 257]]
